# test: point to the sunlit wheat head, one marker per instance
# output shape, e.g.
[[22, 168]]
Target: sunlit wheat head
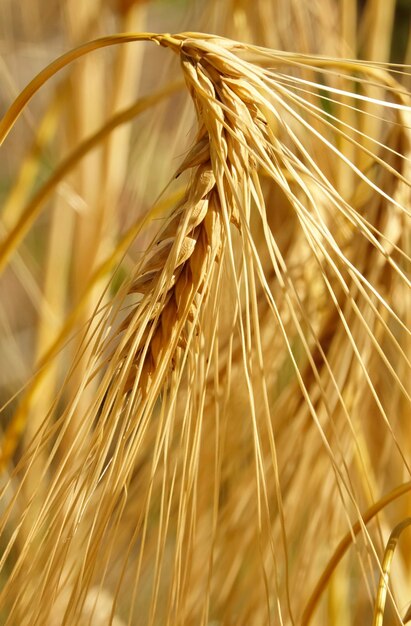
[[238, 395]]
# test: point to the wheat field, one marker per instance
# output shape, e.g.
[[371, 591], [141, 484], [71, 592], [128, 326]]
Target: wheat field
[[205, 312]]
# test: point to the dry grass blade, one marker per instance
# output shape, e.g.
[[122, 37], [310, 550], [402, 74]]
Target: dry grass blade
[[381, 598], [343, 546], [30, 213]]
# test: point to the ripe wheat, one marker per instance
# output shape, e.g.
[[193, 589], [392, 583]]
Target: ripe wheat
[[282, 245]]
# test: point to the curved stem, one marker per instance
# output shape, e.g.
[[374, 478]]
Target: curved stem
[[385, 572], [12, 114], [343, 546]]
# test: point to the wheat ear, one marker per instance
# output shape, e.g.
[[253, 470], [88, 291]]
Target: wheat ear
[[190, 245], [176, 270]]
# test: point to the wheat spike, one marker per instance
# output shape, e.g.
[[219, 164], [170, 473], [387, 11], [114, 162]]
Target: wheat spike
[[179, 263], [190, 244]]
